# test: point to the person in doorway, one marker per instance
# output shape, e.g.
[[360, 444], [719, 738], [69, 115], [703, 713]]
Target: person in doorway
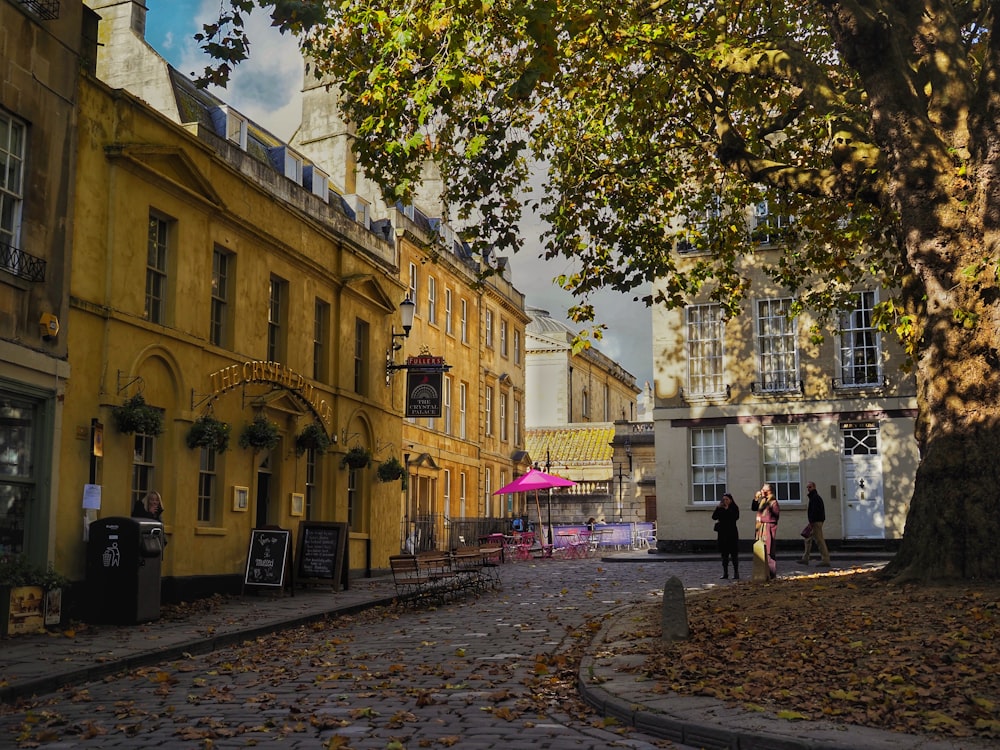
[[765, 504], [150, 506], [726, 514], [816, 514]]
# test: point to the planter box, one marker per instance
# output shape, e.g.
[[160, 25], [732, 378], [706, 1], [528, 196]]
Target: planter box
[[22, 610]]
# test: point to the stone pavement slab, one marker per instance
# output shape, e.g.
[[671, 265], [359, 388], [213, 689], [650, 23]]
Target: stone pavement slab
[[39, 664]]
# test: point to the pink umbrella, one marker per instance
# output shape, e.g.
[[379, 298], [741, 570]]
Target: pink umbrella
[[536, 480]]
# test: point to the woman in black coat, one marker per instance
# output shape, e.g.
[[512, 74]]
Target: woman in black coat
[[726, 514]]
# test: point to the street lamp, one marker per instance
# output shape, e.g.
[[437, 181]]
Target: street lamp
[[406, 309], [621, 479]]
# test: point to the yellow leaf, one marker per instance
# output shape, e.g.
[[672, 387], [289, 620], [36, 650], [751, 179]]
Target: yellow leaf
[[791, 715]]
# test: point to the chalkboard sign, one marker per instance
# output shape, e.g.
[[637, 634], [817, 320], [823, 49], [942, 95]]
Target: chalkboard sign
[[267, 557], [321, 552]]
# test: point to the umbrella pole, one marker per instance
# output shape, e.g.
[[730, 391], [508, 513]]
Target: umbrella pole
[[540, 524]]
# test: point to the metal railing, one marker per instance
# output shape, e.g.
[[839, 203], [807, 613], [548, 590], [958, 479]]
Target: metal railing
[[47, 10], [21, 264]]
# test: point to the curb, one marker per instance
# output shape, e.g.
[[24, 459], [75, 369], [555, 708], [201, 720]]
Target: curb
[[195, 646], [710, 724]]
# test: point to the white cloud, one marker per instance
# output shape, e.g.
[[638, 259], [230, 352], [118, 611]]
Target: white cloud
[[267, 87]]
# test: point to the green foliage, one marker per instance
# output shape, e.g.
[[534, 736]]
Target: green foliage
[[312, 437], [357, 457], [15, 571], [390, 470], [136, 416], [648, 118], [260, 434], [209, 432]]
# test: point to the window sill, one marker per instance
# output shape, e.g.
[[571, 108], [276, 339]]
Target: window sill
[[210, 531]]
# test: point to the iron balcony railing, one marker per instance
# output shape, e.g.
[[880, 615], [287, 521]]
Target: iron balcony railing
[[21, 264], [47, 10]]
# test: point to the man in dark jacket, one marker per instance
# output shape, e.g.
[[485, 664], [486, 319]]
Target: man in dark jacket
[[816, 515]]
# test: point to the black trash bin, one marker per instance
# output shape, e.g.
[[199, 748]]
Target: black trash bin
[[123, 570]]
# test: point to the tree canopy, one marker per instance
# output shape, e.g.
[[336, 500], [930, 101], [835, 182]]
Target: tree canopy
[[873, 122]]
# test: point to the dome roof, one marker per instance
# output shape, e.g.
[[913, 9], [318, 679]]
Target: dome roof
[[543, 324]]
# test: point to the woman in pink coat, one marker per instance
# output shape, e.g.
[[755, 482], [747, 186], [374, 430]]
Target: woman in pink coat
[[766, 506]]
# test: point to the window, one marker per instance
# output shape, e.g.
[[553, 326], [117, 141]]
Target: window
[[517, 347], [321, 329], [446, 397], [861, 441], [489, 329], [585, 404], [219, 333], [156, 270], [236, 127], [488, 479], [432, 300], [312, 485], [488, 411], [781, 461], [503, 337], [19, 471], [860, 360], [277, 291], [143, 468], [446, 493], [12, 152], [517, 422], [464, 321], [769, 228], [361, 356], [503, 418], [414, 288], [461, 494], [463, 395], [776, 343], [704, 350], [701, 228], [353, 498], [207, 484], [708, 464], [607, 403], [448, 323]]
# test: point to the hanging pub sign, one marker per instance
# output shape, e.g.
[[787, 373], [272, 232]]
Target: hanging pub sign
[[424, 376]]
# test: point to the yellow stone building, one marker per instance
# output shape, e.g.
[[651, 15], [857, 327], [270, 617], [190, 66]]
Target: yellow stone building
[[212, 278], [41, 52], [457, 461]]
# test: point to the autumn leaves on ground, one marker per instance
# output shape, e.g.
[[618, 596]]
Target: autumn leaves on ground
[[846, 647]]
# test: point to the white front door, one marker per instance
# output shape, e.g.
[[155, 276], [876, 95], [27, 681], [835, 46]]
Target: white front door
[[864, 507]]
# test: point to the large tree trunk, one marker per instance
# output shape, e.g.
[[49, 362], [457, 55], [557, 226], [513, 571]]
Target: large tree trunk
[[937, 128], [953, 527]]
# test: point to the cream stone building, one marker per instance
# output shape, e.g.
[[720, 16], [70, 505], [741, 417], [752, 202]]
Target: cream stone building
[[755, 399]]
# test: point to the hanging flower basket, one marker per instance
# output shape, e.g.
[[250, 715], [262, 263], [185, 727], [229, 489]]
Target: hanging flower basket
[[390, 470], [260, 434], [356, 458], [209, 432], [136, 416], [314, 438]]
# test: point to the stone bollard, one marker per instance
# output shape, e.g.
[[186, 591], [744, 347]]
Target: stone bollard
[[673, 618]]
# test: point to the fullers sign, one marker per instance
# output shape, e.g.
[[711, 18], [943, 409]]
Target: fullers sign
[[424, 375]]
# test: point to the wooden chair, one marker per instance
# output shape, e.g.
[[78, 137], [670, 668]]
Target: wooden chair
[[411, 583]]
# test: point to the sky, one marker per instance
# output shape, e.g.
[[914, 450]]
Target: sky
[[267, 88]]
